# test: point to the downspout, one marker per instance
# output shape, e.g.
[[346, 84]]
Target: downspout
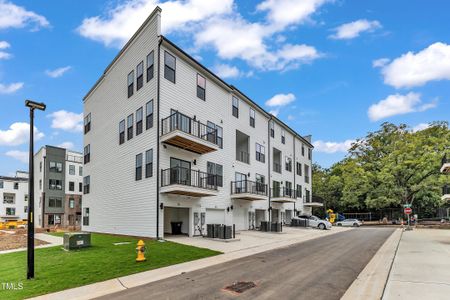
[[157, 140], [295, 175], [268, 168]]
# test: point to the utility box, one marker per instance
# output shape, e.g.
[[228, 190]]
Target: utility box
[[76, 240]]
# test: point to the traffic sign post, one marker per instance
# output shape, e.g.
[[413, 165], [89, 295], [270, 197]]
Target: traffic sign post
[[408, 212]]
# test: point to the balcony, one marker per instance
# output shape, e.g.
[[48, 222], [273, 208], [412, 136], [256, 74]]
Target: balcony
[[283, 195], [188, 182], [242, 147], [243, 156], [313, 202], [446, 193], [277, 160], [445, 165], [184, 132], [248, 190]]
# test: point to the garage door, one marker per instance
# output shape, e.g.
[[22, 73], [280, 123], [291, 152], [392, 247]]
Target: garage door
[[240, 218], [215, 216]]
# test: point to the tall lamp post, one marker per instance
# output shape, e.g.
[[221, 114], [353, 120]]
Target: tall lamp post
[[30, 245]]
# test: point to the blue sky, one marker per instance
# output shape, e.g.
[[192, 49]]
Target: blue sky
[[333, 69]]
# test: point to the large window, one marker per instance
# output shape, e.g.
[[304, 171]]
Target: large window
[[288, 164], [289, 191], [87, 154], [306, 173], [86, 216], [16, 185], [260, 153], [122, 132], [219, 134], [56, 167], [80, 187], [10, 211], [71, 169], [130, 127], [149, 163], [9, 198], [87, 184], [272, 129], [299, 169], [55, 202], [309, 153], [150, 63], [138, 175], [252, 117], [149, 115], [87, 123], [299, 191], [169, 66], [139, 75], [80, 171], [130, 84], [55, 184], [260, 183], [303, 150], [201, 87], [235, 107], [283, 136], [139, 116], [215, 173], [71, 203], [71, 186]]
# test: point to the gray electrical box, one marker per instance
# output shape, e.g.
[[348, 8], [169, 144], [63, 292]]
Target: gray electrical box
[[77, 240]]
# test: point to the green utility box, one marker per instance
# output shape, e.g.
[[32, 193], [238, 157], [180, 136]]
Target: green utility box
[[76, 240]]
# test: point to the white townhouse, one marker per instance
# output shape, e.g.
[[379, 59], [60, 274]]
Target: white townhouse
[[14, 197], [168, 141]]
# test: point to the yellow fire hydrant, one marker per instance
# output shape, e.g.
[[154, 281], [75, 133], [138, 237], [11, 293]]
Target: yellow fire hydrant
[[140, 249]]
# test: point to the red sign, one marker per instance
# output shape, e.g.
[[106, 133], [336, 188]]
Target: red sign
[[407, 210]]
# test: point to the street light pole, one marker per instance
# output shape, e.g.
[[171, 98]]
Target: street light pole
[[30, 244]]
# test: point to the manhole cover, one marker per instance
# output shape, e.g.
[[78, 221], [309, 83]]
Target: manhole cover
[[240, 287]]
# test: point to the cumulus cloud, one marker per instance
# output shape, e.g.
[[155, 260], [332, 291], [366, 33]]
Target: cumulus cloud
[[67, 121], [57, 72], [14, 16], [420, 127], [21, 156], [353, 29], [226, 71], [10, 88], [3, 54], [274, 112], [332, 147], [381, 62], [18, 134], [67, 145], [416, 69], [280, 100], [398, 104]]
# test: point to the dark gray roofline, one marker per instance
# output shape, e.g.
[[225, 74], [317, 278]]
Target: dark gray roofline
[[13, 178]]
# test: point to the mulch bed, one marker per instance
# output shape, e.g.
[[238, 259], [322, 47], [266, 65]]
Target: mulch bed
[[16, 240]]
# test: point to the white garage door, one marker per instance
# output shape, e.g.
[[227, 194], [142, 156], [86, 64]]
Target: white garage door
[[240, 218], [215, 216]]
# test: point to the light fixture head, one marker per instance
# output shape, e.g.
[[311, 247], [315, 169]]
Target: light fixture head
[[35, 105]]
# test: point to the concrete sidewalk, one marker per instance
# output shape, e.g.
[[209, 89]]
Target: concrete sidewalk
[[50, 239], [421, 269]]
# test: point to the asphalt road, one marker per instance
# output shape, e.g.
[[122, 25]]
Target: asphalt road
[[317, 269]]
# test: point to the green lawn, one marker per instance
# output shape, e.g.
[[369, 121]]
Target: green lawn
[[58, 270]]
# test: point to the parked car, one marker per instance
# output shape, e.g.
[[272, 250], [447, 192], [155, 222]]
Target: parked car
[[349, 222], [316, 222]]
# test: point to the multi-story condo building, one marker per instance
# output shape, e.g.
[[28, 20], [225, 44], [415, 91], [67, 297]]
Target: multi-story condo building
[[445, 169], [58, 187], [14, 201], [166, 140]]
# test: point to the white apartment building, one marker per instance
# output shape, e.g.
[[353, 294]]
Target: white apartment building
[[58, 187], [166, 140], [14, 197]]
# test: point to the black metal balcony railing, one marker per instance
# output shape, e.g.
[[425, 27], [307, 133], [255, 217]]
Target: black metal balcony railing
[[277, 167], [248, 186], [243, 156], [179, 121], [446, 190], [283, 192], [188, 177]]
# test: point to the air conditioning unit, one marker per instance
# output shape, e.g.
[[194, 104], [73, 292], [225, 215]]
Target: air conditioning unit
[[76, 240]]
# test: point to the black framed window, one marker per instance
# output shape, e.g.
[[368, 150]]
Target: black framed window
[[86, 184], [303, 150], [150, 64], [71, 186], [288, 164], [149, 163], [299, 192], [215, 174], [56, 167], [139, 75], [289, 188], [138, 167], [80, 171], [122, 132], [80, 187], [139, 124], [130, 81], [252, 117], [87, 154], [149, 115], [201, 87], [87, 123], [169, 66], [235, 107], [71, 169], [130, 127], [55, 202], [272, 129], [299, 169], [86, 216], [309, 153], [283, 136], [306, 173], [260, 183], [260, 153], [55, 184]]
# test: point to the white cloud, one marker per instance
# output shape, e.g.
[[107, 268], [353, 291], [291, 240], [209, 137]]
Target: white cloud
[[57, 72], [274, 112], [4, 45], [3, 54], [21, 156], [332, 147], [67, 121], [13, 16], [420, 127], [17, 134], [280, 100], [353, 29], [10, 88], [381, 62], [290, 117], [226, 71], [67, 145], [410, 70], [397, 105]]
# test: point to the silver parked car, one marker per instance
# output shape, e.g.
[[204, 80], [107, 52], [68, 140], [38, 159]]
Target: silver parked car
[[316, 222], [349, 223]]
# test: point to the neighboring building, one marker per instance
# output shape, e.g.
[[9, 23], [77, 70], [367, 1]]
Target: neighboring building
[[14, 197], [166, 141], [445, 168], [58, 186]]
